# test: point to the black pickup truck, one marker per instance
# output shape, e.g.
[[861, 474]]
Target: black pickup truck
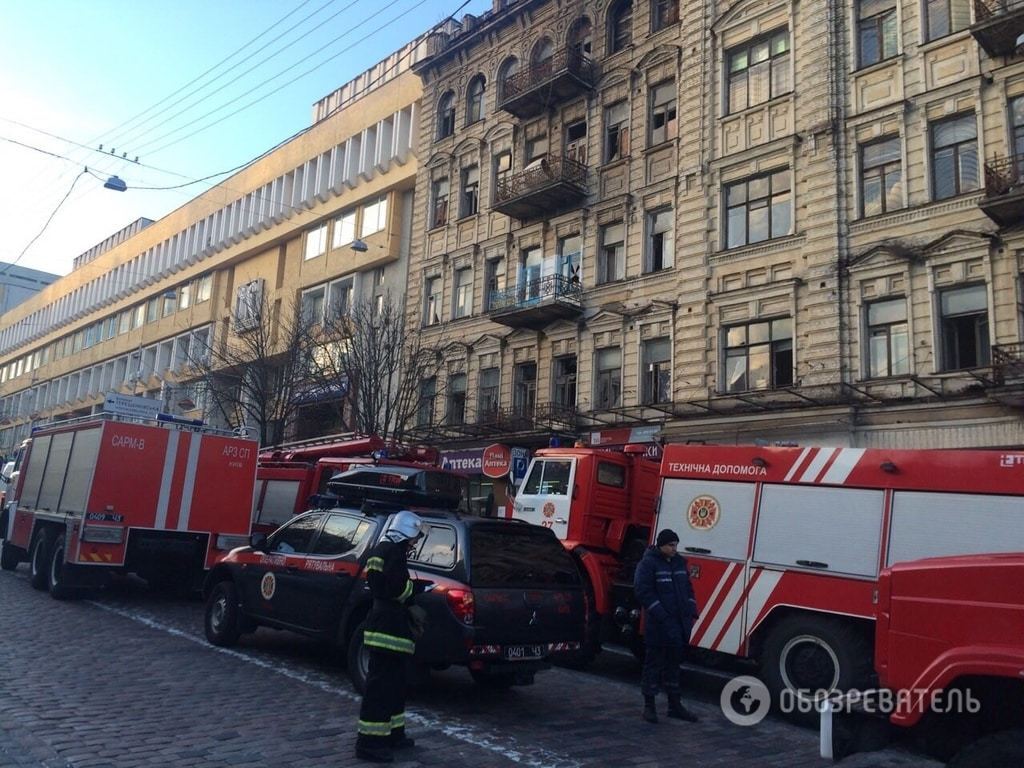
[[502, 597]]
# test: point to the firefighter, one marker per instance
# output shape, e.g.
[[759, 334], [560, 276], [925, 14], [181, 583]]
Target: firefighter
[[388, 637], [662, 586]]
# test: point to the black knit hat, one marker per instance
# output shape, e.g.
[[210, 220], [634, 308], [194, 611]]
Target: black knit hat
[[667, 536]]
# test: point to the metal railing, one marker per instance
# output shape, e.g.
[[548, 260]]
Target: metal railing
[[550, 169], [538, 291], [1003, 174], [1007, 362], [565, 60], [990, 9]]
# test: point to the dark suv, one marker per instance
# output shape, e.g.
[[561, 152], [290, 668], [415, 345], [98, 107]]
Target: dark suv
[[502, 597]]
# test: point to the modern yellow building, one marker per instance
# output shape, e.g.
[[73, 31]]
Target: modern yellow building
[[280, 231], [755, 220]]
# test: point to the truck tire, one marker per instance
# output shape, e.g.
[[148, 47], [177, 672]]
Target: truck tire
[[998, 750], [40, 561], [813, 653], [358, 659], [57, 574], [10, 556], [222, 621]]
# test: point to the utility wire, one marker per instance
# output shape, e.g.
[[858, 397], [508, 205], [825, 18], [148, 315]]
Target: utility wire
[[39, 234]]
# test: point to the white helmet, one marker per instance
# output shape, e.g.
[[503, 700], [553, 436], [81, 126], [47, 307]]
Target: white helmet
[[404, 526]]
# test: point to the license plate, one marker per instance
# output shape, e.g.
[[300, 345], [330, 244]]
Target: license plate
[[521, 652]]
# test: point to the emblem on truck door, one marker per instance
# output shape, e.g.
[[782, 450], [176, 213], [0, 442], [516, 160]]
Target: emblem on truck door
[[703, 513], [267, 585]]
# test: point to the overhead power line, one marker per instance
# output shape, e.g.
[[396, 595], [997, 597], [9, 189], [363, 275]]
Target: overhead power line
[[39, 234]]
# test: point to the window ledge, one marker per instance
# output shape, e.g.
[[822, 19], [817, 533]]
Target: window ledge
[[788, 96], [758, 249], [916, 212], [952, 37], [613, 164], [467, 217], [878, 65], [661, 145]]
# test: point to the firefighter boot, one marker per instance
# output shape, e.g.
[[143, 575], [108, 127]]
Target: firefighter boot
[[650, 713], [400, 741], [375, 754], [678, 711]]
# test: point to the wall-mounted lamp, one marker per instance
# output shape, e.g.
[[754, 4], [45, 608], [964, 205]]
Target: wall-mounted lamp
[[757, 461], [888, 466]]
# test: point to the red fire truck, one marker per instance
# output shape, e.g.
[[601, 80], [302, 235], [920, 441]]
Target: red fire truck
[[107, 494], [785, 545], [293, 477]]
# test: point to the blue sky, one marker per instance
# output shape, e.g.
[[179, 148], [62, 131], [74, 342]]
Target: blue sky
[[94, 72]]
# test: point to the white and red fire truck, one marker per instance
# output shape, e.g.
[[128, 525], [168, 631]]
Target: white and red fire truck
[[107, 494]]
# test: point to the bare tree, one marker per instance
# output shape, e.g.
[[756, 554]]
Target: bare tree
[[384, 365], [256, 370]]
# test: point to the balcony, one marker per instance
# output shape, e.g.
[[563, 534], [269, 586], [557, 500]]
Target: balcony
[[1004, 190], [998, 24], [1007, 363], [548, 184], [528, 93], [537, 303]]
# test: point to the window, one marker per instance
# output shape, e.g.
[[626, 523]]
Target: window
[[509, 67], [432, 308], [954, 156], [248, 304], [581, 39], [341, 534], [463, 293], [888, 340], [439, 208], [425, 408], [563, 384], [664, 13], [316, 241], [659, 247], [758, 209], [204, 288], [881, 177], [656, 370], [569, 251], [607, 378], [877, 34], [184, 296], [549, 477], [502, 170], [124, 323], [759, 355], [170, 304], [944, 17], [470, 191], [611, 474], [964, 328], [446, 115], [475, 100], [524, 389], [758, 72], [344, 229], [576, 141], [540, 61], [152, 313], [487, 405], [296, 536], [663, 113], [536, 145], [494, 280], [616, 131], [1017, 123], [313, 305], [611, 259], [437, 547], [456, 411], [375, 216], [531, 261], [620, 27], [340, 295]]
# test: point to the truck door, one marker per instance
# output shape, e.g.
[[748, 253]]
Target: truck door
[[546, 496], [330, 570], [712, 519]]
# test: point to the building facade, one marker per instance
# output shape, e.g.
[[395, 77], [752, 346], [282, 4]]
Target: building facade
[[724, 222], [18, 283], [321, 221]]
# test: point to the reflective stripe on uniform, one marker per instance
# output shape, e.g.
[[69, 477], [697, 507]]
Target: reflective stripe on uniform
[[388, 642], [369, 728], [407, 591], [375, 564], [398, 721]]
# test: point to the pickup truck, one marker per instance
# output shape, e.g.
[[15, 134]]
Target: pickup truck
[[949, 654]]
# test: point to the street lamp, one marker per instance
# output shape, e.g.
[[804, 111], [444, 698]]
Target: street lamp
[[115, 183]]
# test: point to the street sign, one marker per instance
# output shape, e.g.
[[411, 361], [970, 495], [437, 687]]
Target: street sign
[[131, 405]]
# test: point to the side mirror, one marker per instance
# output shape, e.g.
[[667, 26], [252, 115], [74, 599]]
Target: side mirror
[[258, 541]]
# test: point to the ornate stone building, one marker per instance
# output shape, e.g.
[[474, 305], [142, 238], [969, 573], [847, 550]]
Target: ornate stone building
[[769, 220]]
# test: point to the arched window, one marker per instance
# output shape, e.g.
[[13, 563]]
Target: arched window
[[446, 115], [540, 61], [580, 39], [620, 26], [508, 68], [475, 100]]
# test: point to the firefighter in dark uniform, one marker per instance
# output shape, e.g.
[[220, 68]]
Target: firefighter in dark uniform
[[388, 637]]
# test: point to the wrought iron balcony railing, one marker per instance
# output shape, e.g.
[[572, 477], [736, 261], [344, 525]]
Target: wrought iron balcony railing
[[546, 184], [1007, 362], [1003, 174], [985, 10], [566, 61], [998, 25], [534, 292]]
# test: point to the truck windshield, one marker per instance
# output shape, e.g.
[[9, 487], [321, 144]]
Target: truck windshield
[[549, 477]]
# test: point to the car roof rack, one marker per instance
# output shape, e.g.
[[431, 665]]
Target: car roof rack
[[398, 487]]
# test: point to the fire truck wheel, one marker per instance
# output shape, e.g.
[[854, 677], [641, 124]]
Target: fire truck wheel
[[1005, 748], [10, 556], [358, 659], [223, 627], [57, 582], [813, 653], [40, 562]]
